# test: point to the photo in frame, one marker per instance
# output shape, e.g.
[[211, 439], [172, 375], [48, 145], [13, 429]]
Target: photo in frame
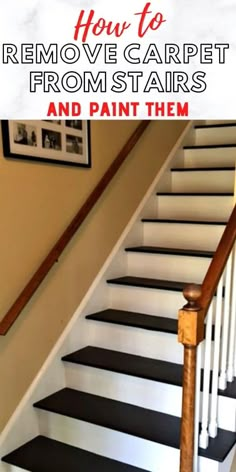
[[64, 142]]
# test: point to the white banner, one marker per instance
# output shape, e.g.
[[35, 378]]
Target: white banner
[[163, 59]]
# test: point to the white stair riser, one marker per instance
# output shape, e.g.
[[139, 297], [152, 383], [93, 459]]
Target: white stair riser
[[221, 135], [163, 303], [203, 181], [218, 157], [168, 267], [186, 236], [152, 344], [145, 393], [115, 445], [205, 208], [227, 413]]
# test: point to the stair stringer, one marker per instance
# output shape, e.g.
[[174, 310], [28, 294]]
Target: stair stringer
[[23, 425]]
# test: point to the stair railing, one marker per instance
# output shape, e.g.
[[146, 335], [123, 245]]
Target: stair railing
[[58, 248], [207, 329]]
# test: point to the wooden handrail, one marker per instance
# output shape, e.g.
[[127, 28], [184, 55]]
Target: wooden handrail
[[218, 263], [70, 231], [191, 333]]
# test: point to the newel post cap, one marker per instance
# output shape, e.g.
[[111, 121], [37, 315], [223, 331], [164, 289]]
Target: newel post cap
[[192, 293]]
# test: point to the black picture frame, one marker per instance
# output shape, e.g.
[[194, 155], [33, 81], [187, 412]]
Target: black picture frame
[[64, 142]]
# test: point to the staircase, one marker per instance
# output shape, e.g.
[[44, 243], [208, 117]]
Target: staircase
[[109, 398]]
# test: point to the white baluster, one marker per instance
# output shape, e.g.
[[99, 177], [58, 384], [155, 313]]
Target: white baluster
[[204, 436], [216, 362], [197, 405], [225, 331], [231, 371]]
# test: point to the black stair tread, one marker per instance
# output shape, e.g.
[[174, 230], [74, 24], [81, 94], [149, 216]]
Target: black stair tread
[[129, 364], [137, 366], [200, 169], [146, 282], [194, 194], [210, 146], [171, 251], [217, 125], [230, 391], [139, 422], [219, 447], [136, 320], [191, 222], [42, 454]]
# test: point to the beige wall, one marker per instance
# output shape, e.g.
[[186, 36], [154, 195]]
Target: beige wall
[[36, 203]]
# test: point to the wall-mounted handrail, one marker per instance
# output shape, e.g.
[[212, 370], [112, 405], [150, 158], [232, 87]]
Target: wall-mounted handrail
[[192, 331], [70, 231]]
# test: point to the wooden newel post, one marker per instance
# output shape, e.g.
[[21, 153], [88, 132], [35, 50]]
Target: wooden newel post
[[190, 333]]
